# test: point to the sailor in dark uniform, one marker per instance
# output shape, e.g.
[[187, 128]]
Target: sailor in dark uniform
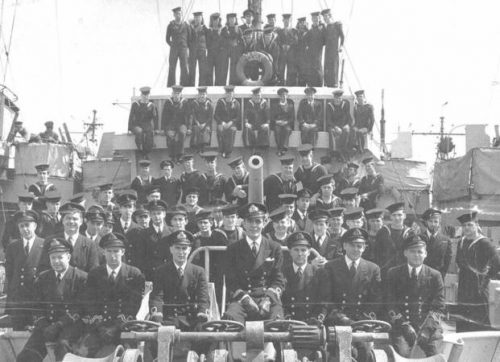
[[50, 219], [314, 39], [279, 229], [326, 198], [303, 63], [228, 117], [170, 186], [350, 178], [201, 118], [178, 39], [39, 188], [126, 201], [58, 297], [156, 249], [143, 121], [334, 41], [350, 288], [106, 196], [198, 50], [229, 229], [288, 40], [309, 171], [85, 255], [438, 244], [336, 230], [49, 136], [374, 222], [213, 186], [364, 120], [282, 120], [478, 262], [232, 48], [177, 218], [256, 122], [300, 215], [142, 181], [253, 271], [153, 193], [327, 247], [192, 208], [191, 177], [389, 242], [371, 186], [300, 296], [349, 198], [11, 231], [268, 44], [94, 221], [22, 258], [180, 291], [135, 245], [175, 123], [280, 183], [113, 295], [215, 54], [236, 188], [310, 117], [354, 218], [339, 123], [415, 301]]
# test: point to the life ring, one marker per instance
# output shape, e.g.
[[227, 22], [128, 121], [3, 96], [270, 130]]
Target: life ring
[[266, 62]]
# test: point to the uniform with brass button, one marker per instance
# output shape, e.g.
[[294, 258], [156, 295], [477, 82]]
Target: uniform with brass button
[[22, 258], [58, 296]]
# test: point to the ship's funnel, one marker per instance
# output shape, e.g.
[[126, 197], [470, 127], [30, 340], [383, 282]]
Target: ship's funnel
[[256, 179]]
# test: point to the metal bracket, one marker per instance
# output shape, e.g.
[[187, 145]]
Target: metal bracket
[[166, 343]]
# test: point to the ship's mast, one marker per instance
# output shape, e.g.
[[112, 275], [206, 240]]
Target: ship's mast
[[256, 7], [93, 126]]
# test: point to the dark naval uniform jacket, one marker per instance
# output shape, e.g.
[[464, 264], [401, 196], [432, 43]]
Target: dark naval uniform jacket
[[300, 296], [309, 176], [231, 184], [156, 250], [170, 189], [274, 185], [21, 270], [111, 299], [355, 298], [180, 299], [438, 251], [412, 301]]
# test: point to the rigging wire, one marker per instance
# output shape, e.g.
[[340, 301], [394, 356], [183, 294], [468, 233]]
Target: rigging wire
[[7, 50], [349, 22]]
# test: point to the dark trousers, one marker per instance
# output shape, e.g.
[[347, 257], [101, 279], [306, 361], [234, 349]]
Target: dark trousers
[[225, 138], [287, 60], [331, 68], [339, 139], [282, 135], [315, 69], [144, 138], [256, 138], [309, 135], [198, 56], [201, 136], [182, 54], [215, 65], [231, 58], [236, 312], [175, 142]]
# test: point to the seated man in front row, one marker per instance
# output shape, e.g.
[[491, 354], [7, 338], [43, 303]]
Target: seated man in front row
[[415, 301], [58, 300], [113, 296]]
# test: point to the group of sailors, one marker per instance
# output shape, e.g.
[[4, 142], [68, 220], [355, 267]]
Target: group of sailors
[[181, 117], [296, 53], [78, 274]]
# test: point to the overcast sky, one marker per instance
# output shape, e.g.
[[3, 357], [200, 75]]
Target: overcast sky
[[69, 57]]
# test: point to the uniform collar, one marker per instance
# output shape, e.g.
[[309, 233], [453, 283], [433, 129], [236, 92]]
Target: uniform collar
[[419, 268], [296, 267], [109, 270], [349, 262], [251, 242]]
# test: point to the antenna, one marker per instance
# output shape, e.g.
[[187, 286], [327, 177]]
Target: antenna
[[92, 127]]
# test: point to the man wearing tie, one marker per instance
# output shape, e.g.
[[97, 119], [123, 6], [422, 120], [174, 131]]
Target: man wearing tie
[[300, 296], [58, 295], [156, 249], [85, 254], [415, 298], [350, 287], [113, 295], [21, 269], [126, 202], [300, 215]]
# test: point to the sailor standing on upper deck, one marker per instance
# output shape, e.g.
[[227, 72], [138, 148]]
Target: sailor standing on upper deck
[[178, 38]]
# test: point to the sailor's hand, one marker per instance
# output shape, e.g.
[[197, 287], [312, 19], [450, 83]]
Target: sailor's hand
[[202, 317], [156, 317], [249, 304], [265, 307], [318, 262]]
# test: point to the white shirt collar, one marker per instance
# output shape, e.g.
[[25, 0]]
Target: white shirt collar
[[30, 242], [62, 274], [301, 214], [349, 262], [183, 266], [296, 267], [419, 268], [71, 237], [125, 223], [320, 239], [117, 270], [93, 238], [251, 242]]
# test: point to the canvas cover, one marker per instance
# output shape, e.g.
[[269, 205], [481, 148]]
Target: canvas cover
[[28, 155], [478, 170], [405, 174]]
